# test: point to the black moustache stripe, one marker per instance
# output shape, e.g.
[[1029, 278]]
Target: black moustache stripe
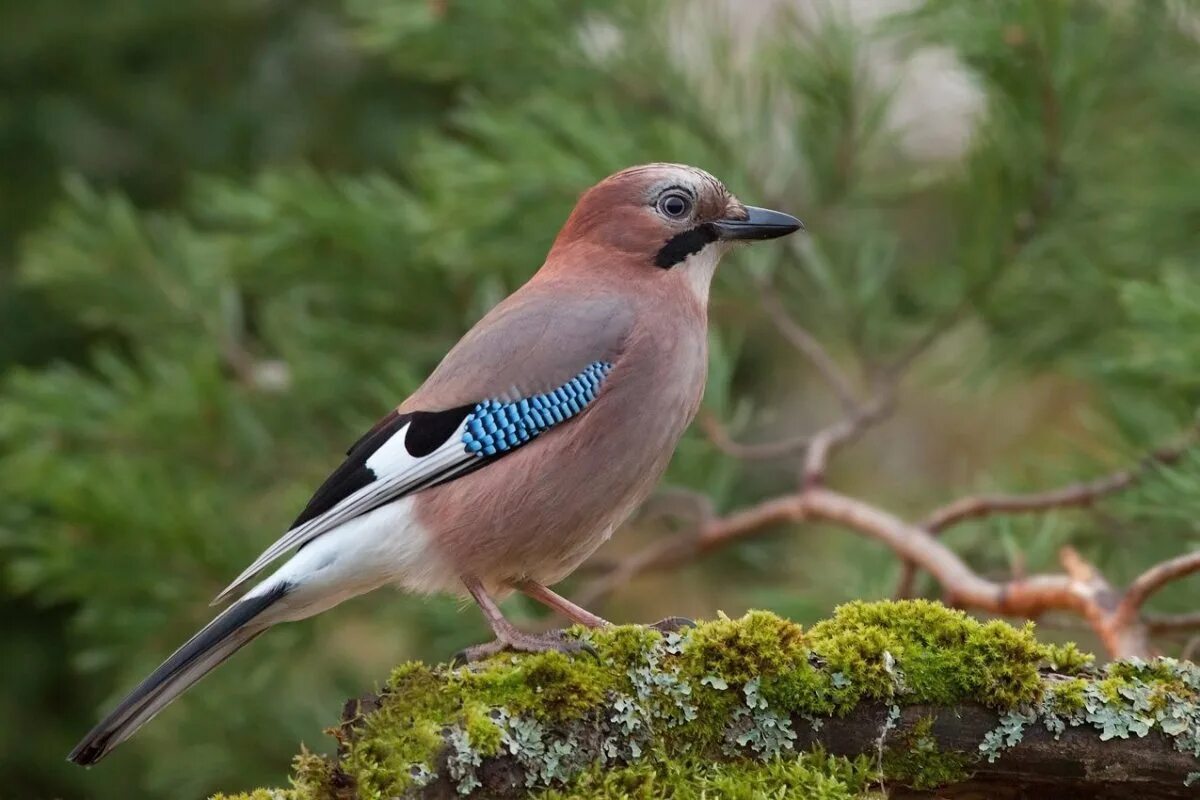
[[682, 245]]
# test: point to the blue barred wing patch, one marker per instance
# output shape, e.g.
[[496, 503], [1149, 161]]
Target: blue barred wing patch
[[496, 426]]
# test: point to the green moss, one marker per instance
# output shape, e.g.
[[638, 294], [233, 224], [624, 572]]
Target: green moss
[[313, 777], [1068, 659], [402, 734], [1067, 697], [396, 744], [918, 761], [812, 776], [760, 644], [724, 691], [938, 655]]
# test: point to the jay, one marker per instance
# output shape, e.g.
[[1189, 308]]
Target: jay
[[537, 435]]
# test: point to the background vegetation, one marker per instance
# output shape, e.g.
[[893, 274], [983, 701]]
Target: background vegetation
[[233, 234]]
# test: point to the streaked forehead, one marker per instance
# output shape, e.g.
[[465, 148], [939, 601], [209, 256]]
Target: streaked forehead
[[655, 177]]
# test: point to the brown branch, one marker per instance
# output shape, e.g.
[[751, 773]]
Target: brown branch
[[858, 415], [687, 545], [831, 439], [1081, 589], [1154, 579], [719, 436], [1075, 763], [818, 447], [1075, 495], [800, 338], [1172, 623], [893, 371], [677, 503]]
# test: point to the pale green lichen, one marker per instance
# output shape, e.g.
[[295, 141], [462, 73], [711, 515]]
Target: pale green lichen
[[649, 705], [1133, 697]]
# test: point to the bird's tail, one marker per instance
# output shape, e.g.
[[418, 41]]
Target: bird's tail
[[217, 641]]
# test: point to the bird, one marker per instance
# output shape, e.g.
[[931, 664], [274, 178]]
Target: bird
[[537, 435]]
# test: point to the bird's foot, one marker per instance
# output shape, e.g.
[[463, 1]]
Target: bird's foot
[[672, 624], [552, 641]]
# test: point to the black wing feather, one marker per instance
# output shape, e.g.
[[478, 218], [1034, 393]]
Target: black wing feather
[[353, 473], [428, 430]]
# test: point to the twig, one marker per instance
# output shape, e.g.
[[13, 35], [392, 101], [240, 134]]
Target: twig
[[719, 436], [827, 441], [1075, 495], [1081, 589], [678, 503], [1172, 623], [1154, 579], [892, 372], [806, 343]]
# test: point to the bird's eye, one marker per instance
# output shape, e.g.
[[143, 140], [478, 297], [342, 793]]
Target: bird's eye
[[674, 205]]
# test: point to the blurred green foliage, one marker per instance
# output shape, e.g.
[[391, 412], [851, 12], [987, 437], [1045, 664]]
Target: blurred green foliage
[[233, 234]]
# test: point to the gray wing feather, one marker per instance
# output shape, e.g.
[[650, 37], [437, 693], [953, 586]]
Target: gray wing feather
[[533, 341]]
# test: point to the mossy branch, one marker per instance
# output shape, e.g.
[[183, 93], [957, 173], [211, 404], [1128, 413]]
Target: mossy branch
[[901, 697], [1115, 615]]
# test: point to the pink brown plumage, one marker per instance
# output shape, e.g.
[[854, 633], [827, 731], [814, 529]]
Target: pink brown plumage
[[531, 442]]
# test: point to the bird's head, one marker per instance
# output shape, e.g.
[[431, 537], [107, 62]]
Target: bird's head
[[664, 222]]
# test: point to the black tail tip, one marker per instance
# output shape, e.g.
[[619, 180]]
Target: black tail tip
[[88, 752]]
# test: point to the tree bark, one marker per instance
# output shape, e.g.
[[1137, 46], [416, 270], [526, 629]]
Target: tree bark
[[1076, 766]]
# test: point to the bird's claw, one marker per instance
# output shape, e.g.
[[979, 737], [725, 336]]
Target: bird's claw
[[553, 641]]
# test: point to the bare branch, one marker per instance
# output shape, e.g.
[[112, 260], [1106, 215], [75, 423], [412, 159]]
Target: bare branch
[[719, 436], [831, 439], [661, 555], [893, 371], [806, 343], [906, 587], [1172, 623], [678, 503], [1080, 589], [1075, 495], [1154, 579]]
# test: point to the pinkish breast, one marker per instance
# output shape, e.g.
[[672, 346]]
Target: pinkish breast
[[539, 512]]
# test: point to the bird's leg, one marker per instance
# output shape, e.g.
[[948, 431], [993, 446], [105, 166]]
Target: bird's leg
[[562, 605], [556, 602], [508, 636]]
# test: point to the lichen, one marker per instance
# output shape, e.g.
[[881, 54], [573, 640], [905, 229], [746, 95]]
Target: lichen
[[649, 708], [1131, 698]]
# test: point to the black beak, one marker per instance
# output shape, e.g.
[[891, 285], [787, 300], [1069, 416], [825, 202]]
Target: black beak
[[762, 223]]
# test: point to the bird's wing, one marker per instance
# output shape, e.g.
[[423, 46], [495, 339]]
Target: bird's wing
[[528, 366]]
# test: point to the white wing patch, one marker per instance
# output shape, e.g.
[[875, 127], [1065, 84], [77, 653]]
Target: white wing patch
[[397, 473]]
